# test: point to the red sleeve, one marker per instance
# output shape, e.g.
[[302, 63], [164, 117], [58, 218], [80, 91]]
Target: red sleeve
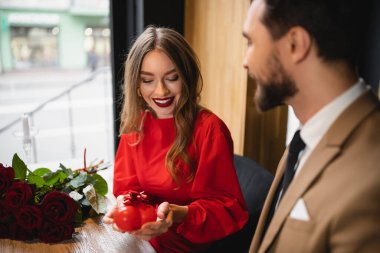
[[125, 178], [218, 208]]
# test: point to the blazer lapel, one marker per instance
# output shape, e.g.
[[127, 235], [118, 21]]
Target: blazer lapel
[[328, 148], [312, 168], [267, 204]]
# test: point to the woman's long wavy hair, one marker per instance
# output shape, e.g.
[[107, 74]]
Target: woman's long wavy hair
[[186, 63]]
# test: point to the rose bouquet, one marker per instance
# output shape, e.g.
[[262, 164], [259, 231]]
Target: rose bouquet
[[48, 205]]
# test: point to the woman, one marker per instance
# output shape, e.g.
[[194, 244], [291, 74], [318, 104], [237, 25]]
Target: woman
[[174, 150]]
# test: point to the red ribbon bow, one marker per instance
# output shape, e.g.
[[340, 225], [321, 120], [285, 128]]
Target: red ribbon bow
[[134, 198]]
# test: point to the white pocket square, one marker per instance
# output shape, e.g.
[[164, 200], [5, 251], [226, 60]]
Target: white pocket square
[[299, 211]]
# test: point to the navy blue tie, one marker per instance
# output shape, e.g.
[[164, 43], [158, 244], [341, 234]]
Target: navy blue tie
[[295, 147]]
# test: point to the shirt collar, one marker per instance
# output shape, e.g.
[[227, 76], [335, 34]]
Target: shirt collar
[[317, 126]]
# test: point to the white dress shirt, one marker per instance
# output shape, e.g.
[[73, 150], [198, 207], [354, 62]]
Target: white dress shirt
[[316, 127]]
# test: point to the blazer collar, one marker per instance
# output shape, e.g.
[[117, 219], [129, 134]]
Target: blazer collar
[[327, 149]]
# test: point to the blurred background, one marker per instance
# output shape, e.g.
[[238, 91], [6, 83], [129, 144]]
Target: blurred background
[[55, 82]]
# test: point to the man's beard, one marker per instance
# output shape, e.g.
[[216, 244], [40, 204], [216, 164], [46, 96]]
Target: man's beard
[[276, 88]]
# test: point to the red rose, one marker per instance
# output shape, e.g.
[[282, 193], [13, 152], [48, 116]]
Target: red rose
[[19, 233], [58, 207], [18, 195], [4, 230], [51, 233], [7, 175], [5, 212], [29, 217]]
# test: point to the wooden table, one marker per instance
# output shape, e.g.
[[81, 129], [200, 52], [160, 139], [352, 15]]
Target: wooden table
[[94, 237]]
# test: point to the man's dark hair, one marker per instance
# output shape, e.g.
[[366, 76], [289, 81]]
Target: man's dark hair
[[335, 25]]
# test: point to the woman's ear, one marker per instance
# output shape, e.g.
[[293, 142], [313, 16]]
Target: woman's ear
[[300, 43]]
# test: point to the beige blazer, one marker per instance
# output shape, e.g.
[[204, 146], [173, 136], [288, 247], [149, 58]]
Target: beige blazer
[[340, 187]]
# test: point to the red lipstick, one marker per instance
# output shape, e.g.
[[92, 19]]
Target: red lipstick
[[163, 102]]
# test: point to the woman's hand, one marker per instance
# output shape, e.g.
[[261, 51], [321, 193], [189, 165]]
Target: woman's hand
[[108, 217], [166, 215], [153, 229]]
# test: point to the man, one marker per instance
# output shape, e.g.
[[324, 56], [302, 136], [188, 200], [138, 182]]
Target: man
[[304, 54]]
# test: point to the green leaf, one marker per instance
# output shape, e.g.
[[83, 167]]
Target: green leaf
[[53, 177], [75, 196], [79, 180], [40, 193], [69, 172], [62, 176], [85, 202], [97, 201], [41, 171], [100, 185], [35, 179], [19, 167], [66, 188]]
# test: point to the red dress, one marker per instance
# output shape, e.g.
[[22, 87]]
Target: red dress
[[215, 202]]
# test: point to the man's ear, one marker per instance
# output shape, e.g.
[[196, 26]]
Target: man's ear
[[299, 42]]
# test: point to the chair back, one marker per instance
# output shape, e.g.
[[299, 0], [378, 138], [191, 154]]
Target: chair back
[[255, 182]]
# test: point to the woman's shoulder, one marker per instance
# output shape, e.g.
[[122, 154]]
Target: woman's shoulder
[[205, 116], [210, 127], [208, 120]]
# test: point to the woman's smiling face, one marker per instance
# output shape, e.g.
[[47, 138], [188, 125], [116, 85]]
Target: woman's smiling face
[[160, 84]]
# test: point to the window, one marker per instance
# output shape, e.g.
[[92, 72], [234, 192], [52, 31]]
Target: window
[[55, 82], [97, 46], [34, 46]]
